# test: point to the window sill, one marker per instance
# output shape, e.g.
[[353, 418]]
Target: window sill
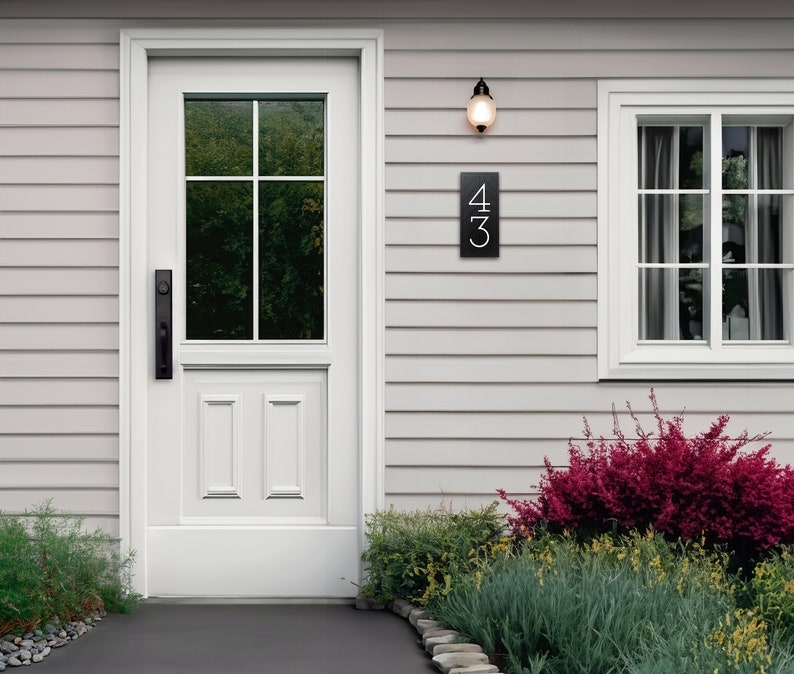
[[700, 362]]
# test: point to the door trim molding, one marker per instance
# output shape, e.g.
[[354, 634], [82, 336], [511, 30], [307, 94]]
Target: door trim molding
[[136, 47]]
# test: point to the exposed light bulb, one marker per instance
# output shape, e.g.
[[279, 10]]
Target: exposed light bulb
[[481, 109]]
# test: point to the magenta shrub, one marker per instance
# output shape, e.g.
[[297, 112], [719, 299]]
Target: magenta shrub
[[685, 487]]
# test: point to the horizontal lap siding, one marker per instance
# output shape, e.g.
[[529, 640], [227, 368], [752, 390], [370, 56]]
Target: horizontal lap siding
[[59, 339], [491, 364], [464, 326]]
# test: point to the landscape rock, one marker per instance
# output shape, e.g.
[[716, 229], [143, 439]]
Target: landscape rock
[[438, 632], [476, 669], [417, 614], [446, 662], [402, 607], [433, 642], [423, 625], [457, 648], [13, 662]]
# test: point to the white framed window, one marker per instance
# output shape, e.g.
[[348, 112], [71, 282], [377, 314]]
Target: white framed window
[[696, 229]]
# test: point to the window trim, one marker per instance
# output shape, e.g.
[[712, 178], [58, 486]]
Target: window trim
[[620, 356]]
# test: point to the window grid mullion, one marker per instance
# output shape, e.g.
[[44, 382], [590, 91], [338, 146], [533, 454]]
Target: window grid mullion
[[642, 207], [713, 297], [255, 224], [753, 296]]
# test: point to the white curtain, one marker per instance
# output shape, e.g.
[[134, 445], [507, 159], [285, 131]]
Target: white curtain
[[769, 146], [656, 220]]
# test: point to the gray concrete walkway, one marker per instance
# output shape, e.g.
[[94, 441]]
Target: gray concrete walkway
[[164, 638]]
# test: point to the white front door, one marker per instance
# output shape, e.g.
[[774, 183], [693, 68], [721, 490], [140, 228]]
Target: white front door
[[252, 448]]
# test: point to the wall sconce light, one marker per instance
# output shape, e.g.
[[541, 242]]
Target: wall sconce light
[[481, 109]]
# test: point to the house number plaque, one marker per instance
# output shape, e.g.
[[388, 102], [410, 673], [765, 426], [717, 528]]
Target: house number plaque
[[479, 215]]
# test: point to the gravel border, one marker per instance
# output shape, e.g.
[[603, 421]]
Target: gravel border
[[19, 650]]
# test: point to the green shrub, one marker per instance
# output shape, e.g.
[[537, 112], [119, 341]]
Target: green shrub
[[772, 593], [616, 604], [414, 555], [52, 569]]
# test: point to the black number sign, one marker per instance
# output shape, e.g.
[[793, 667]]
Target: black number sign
[[479, 215]]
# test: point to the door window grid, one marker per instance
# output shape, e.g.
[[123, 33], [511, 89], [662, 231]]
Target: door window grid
[[257, 179]]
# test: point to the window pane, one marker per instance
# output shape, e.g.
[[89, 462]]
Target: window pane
[[291, 260], [671, 304], [752, 306], [291, 139], [219, 138], [219, 258], [769, 233], [656, 168], [734, 228], [735, 154], [655, 218], [658, 220], [690, 303], [690, 158], [769, 141], [691, 234]]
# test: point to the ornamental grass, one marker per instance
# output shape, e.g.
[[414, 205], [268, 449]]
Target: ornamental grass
[[53, 570]]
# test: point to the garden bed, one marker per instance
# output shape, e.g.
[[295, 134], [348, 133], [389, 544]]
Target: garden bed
[[664, 555]]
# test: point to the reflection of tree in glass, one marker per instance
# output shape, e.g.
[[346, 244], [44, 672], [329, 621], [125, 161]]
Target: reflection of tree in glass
[[291, 138], [735, 176], [219, 138], [734, 171], [291, 261], [734, 210], [219, 259]]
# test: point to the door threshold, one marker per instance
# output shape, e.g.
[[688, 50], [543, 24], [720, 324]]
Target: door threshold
[[250, 600]]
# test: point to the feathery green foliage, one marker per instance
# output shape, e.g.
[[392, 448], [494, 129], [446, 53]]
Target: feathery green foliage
[[51, 569]]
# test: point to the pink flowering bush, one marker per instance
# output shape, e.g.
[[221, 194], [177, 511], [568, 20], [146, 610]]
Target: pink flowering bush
[[690, 488]]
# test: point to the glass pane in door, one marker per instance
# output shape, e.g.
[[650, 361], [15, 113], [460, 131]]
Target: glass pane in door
[[218, 138], [291, 138], [255, 219], [291, 260], [219, 260]]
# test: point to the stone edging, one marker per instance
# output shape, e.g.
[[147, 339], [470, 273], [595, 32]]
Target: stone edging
[[32, 647], [449, 653]]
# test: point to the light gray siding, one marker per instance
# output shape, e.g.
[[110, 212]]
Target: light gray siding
[[59, 272], [490, 364]]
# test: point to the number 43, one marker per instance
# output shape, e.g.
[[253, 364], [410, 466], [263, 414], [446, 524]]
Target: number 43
[[483, 208]]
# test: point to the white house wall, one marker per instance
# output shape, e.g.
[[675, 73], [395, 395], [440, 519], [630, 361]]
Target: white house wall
[[490, 363]]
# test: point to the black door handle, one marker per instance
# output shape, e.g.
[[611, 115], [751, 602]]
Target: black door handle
[[162, 322], [165, 351]]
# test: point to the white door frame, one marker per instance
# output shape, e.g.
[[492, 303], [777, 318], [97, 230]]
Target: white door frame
[[137, 46]]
